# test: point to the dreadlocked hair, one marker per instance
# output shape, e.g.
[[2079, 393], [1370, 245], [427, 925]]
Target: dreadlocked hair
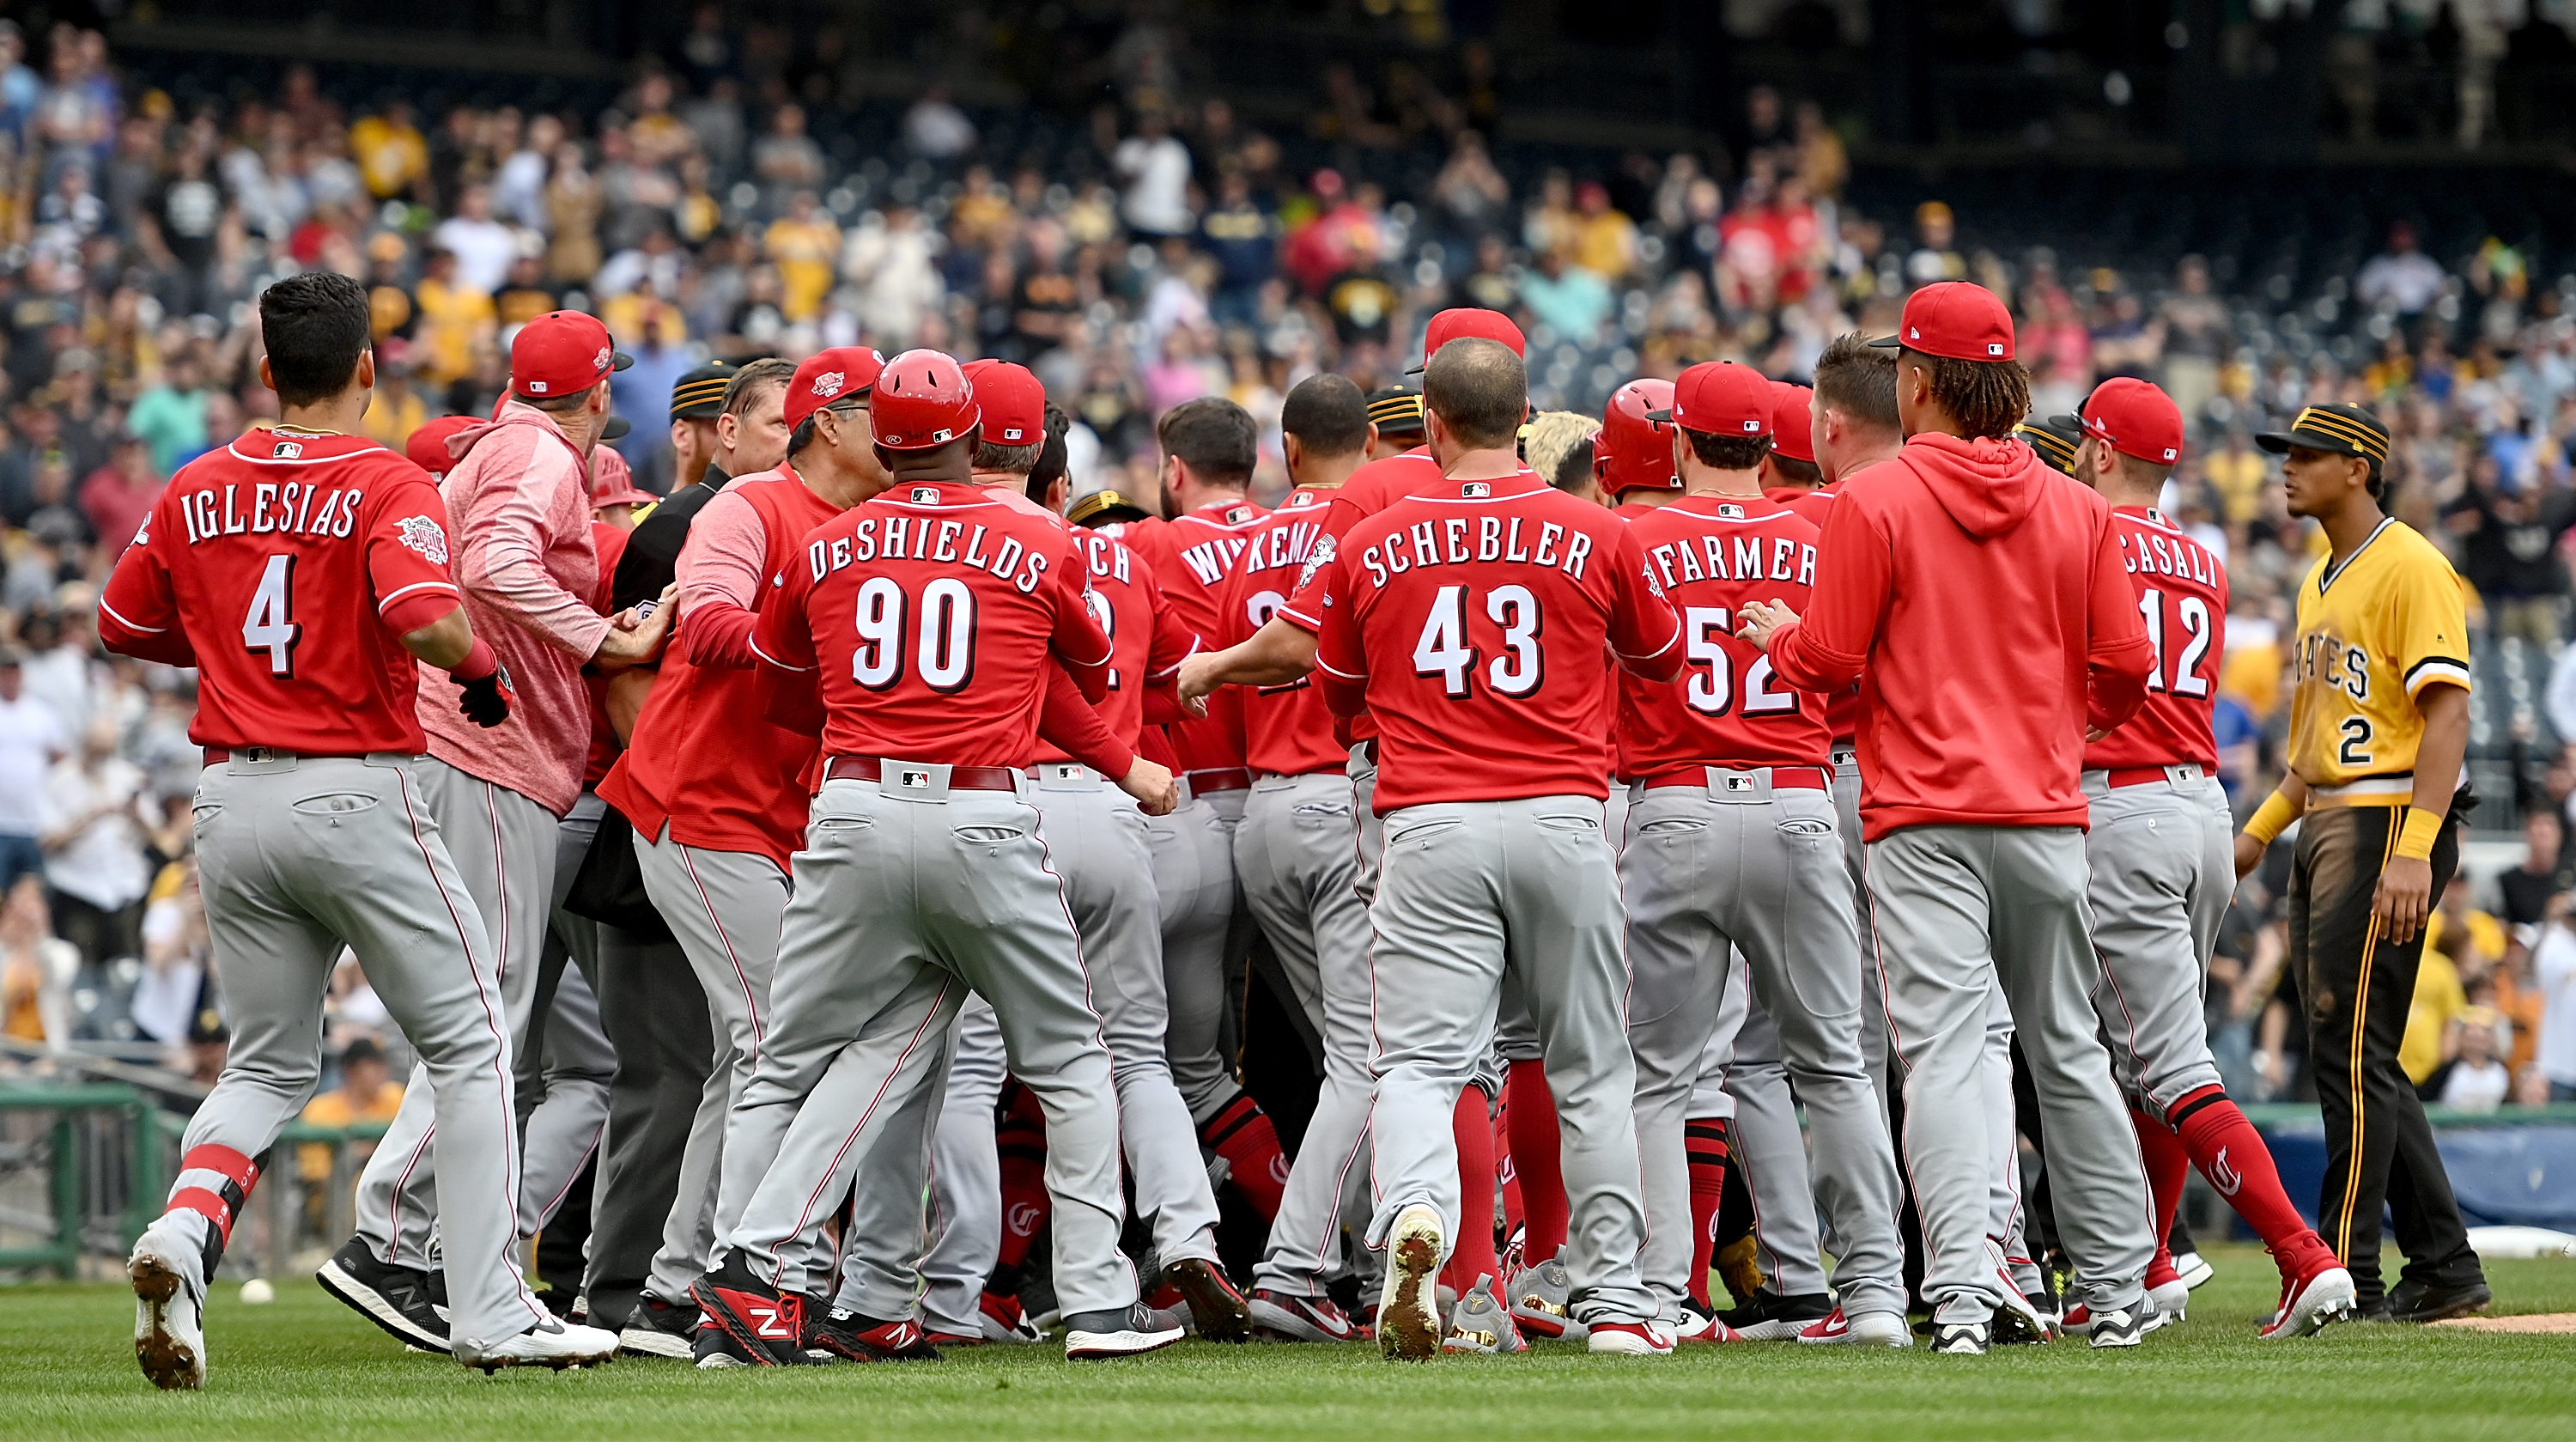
[[1986, 399]]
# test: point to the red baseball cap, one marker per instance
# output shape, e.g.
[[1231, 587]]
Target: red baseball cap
[[828, 375], [1720, 398], [2137, 418], [1793, 425], [561, 352], [1956, 320], [427, 446], [612, 481], [1014, 402], [1469, 322]]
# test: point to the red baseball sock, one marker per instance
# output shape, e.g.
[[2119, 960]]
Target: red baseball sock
[[2231, 1154], [2167, 1164], [1514, 1217], [1021, 1138], [1538, 1154], [1241, 1133], [1704, 1142], [213, 1182], [1472, 1254]]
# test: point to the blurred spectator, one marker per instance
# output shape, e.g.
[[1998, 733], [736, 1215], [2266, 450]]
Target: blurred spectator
[[1604, 240], [396, 408], [2509, 552], [32, 738], [2474, 1080], [170, 417], [36, 970], [935, 129], [1244, 238], [787, 159], [366, 1093], [2195, 339], [1156, 168], [2459, 940], [2543, 873], [391, 155], [1469, 196], [803, 244], [2553, 964], [484, 248], [1567, 299], [118, 497], [93, 841], [2401, 278]]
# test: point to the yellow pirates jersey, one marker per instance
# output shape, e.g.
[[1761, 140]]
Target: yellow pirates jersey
[[2373, 633]]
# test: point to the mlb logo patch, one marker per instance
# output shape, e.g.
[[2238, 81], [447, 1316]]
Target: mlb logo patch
[[1994, 348], [917, 780], [943, 435], [1731, 513], [2171, 453], [1739, 783], [288, 451], [1752, 426], [925, 495], [537, 387], [1475, 490], [1010, 433], [1237, 515]]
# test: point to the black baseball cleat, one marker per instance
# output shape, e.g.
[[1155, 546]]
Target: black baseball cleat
[[1093, 1336], [1959, 1339], [2431, 1302], [1767, 1316], [396, 1298], [767, 1329], [844, 1333], [1216, 1305], [659, 1329]]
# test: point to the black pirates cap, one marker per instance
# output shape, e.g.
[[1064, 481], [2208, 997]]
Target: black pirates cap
[[699, 395], [2346, 430], [2056, 438], [1395, 411], [1104, 507]]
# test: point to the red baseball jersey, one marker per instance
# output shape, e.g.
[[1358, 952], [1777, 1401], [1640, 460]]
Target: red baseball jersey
[[1288, 730], [287, 568], [1476, 622], [1371, 489], [1712, 554], [1842, 707], [1191, 554], [2182, 596], [929, 613], [1146, 637]]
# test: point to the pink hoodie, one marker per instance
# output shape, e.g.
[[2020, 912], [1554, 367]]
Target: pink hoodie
[[518, 508]]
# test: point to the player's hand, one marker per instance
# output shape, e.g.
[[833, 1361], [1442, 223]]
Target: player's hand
[[486, 699], [636, 634], [2405, 894], [1198, 681], [1760, 619], [2249, 854], [2093, 734], [1153, 786]]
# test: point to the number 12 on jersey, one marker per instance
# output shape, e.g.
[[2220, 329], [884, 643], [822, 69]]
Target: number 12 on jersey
[[2191, 616]]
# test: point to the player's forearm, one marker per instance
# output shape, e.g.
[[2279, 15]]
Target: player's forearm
[[718, 634], [443, 642], [2116, 687], [2445, 745], [529, 598], [1277, 654], [1070, 724]]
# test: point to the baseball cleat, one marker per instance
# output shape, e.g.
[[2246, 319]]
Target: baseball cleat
[[712, 1348], [547, 1344], [2019, 1319], [1005, 1320], [1094, 1336], [768, 1330], [1767, 1316], [2413, 1301], [2121, 1326], [2310, 1303], [1541, 1298], [1286, 1317], [1868, 1329], [1959, 1339], [2083, 1321], [659, 1329], [2172, 1300], [1629, 1339], [1480, 1323], [1698, 1327], [395, 1298], [1216, 1306], [169, 1306], [2194, 1269], [1408, 1316], [938, 1340], [841, 1332]]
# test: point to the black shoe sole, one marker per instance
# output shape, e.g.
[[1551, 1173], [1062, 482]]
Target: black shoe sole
[[1221, 1312], [745, 1337], [2436, 1307], [369, 1303]]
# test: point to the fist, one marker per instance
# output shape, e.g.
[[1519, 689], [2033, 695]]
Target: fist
[[485, 700], [1153, 786]]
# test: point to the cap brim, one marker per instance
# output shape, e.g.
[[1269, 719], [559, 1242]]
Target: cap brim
[[615, 428], [1888, 342], [2277, 443], [1662, 415], [619, 360]]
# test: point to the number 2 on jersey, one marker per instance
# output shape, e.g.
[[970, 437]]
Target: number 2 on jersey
[[271, 625], [1712, 677]]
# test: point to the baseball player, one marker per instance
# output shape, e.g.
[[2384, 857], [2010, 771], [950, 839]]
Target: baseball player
[[1789, 469], [928, 616], [518, 505], [301, 569], [1473, 620], [1731, 843], [1977, 876], [2379, 720], [2161, 857], [697, 411]]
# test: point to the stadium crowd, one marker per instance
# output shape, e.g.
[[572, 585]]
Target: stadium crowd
[[699, 217]]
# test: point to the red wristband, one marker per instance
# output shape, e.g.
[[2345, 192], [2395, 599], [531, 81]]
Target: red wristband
[[479, 662]]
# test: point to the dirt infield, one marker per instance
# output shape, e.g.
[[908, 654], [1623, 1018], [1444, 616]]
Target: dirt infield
[[2556, 1324]]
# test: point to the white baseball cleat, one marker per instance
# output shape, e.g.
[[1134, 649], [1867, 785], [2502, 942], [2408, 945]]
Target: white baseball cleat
[[1866, 1329], [1408, 1316], [1629, 1339], [2172, 1299], [2308, 1305], [169, 1305], [2194, 1269], [547, 1344]]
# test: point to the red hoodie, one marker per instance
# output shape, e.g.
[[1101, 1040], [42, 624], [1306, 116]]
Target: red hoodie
[[1978, 597]]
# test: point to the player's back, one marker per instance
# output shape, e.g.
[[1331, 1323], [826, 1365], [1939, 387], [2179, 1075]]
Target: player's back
[[1288, 730], [2182, 596], [1483, 614], [1147, 639], [929, 612], [1713, 554], [293, 564]]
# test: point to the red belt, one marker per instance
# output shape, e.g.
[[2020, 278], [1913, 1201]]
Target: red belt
[[960, 778], [218, 755], [1219, 778], [1783, 778], [2141, 775]]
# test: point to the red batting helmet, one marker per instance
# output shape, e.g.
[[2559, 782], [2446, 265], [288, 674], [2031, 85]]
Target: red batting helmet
[[922, 402], [1633, 453]]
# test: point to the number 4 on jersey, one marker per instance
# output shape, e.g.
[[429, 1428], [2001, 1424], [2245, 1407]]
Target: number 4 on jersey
[[271, 625]]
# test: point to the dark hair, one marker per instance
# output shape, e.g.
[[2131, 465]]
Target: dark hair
[[314, 326], [1327, 414], [1213, 436], [1858, 379], [748, 382], [1805, 473], [1480, 391], [1725, 452], [1574, 471], [1054, 460], [1984, 399], [1014, 459]]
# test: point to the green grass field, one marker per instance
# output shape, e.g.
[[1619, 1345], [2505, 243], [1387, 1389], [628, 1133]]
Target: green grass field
[[305, 1367]]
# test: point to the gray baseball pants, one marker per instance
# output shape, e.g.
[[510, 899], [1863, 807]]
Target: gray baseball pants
[[1191, 853], [503, 846], [1954, 910], [1468, 891], [1767, 1146], [1296, 853], [298, 857], [906, 897], [2163, 856], [568, 1064], [1736, 861], [965, 1217], [723, 907]]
